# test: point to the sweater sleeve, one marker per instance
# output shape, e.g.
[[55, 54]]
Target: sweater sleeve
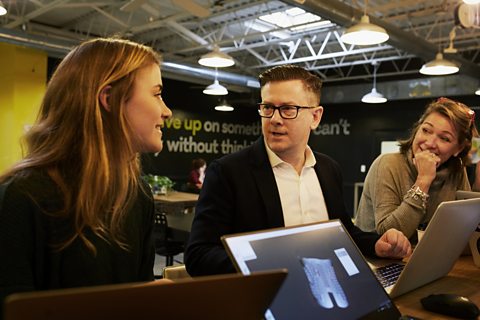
[[392, 209]]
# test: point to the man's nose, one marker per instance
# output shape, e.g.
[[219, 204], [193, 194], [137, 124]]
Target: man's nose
[[276, 115]]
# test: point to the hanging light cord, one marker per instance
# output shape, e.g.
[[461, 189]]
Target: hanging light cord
[[375, 67]]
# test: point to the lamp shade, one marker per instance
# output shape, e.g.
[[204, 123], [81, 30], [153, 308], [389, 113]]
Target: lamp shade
[[364, 33], [3, 9], [374, 97], [439, 66], [224, 106], [471, 1], [216, 59], [216, 89], [477, 92]]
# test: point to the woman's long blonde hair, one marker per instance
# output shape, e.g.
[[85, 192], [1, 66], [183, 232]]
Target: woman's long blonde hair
[[88, 150]]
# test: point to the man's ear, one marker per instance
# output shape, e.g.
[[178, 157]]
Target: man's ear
[[104, 97], [317, 117]]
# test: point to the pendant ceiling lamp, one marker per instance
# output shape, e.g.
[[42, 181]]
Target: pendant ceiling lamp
[[365, 33], [3, 9], [216, 88], [477, 92], [224, 106], [439, 66], [374, 96], [216, 59]]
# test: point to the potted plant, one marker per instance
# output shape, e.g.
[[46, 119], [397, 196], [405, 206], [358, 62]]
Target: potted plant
[[159, 184]]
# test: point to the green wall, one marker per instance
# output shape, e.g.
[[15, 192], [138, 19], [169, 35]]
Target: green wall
[[23, 77]]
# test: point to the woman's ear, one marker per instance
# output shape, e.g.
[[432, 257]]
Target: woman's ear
[[104, 97], [460, 149]]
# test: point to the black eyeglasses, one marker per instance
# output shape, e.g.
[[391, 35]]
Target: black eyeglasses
[[266, 110]]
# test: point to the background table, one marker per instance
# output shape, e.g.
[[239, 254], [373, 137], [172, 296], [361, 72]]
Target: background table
[[175, 202], [184, 199], [179, 208]]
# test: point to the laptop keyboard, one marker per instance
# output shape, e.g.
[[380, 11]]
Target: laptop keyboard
[[388, 275]]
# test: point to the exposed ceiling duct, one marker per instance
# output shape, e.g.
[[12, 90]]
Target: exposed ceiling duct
[[59, 49], [432, 87]]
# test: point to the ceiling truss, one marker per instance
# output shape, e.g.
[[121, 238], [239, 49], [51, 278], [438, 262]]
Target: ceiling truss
[[183, 30]]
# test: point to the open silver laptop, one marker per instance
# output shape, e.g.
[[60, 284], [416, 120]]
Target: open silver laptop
[[463, 194], [445, 238], [328, 278]]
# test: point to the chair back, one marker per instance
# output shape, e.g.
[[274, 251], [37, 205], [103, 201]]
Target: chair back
[[165, 245], [175, 272]]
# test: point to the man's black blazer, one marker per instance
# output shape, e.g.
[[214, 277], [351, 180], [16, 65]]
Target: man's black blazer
[[240, 194]]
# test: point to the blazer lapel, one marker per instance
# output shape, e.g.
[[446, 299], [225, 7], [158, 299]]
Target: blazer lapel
[[265, 180], [325, 185]]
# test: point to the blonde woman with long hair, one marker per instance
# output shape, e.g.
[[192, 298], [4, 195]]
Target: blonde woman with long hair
[[74, 211]]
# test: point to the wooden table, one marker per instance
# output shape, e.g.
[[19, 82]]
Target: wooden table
[[175, 202], [176, 197], [463, 279], [179, 209]]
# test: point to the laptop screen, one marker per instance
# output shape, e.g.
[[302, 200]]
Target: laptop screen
[[328, 277]]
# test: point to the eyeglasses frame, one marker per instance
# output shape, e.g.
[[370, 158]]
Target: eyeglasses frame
[[275, 108]]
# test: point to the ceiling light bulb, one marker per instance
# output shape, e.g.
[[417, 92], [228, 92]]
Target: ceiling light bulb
[[374, 97], [364, 33], [216, 89], [216, 59], [439, 66]]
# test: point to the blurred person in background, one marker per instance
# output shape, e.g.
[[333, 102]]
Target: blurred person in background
[[197, 175]]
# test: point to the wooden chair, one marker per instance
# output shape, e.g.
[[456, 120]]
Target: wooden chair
[[175, 272]]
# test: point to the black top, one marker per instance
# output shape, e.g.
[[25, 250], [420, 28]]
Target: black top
[[29, 260], [240, 194]]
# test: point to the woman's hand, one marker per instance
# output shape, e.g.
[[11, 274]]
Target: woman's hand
[[426, 163]]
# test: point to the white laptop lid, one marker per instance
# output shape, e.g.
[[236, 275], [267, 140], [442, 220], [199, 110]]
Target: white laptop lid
[[328, 277], [445, 238]]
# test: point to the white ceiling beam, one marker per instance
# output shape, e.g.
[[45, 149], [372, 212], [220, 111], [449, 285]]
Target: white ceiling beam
[[34, 14]]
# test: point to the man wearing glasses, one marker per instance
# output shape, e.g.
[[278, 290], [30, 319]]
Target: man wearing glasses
[[277, 181]]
